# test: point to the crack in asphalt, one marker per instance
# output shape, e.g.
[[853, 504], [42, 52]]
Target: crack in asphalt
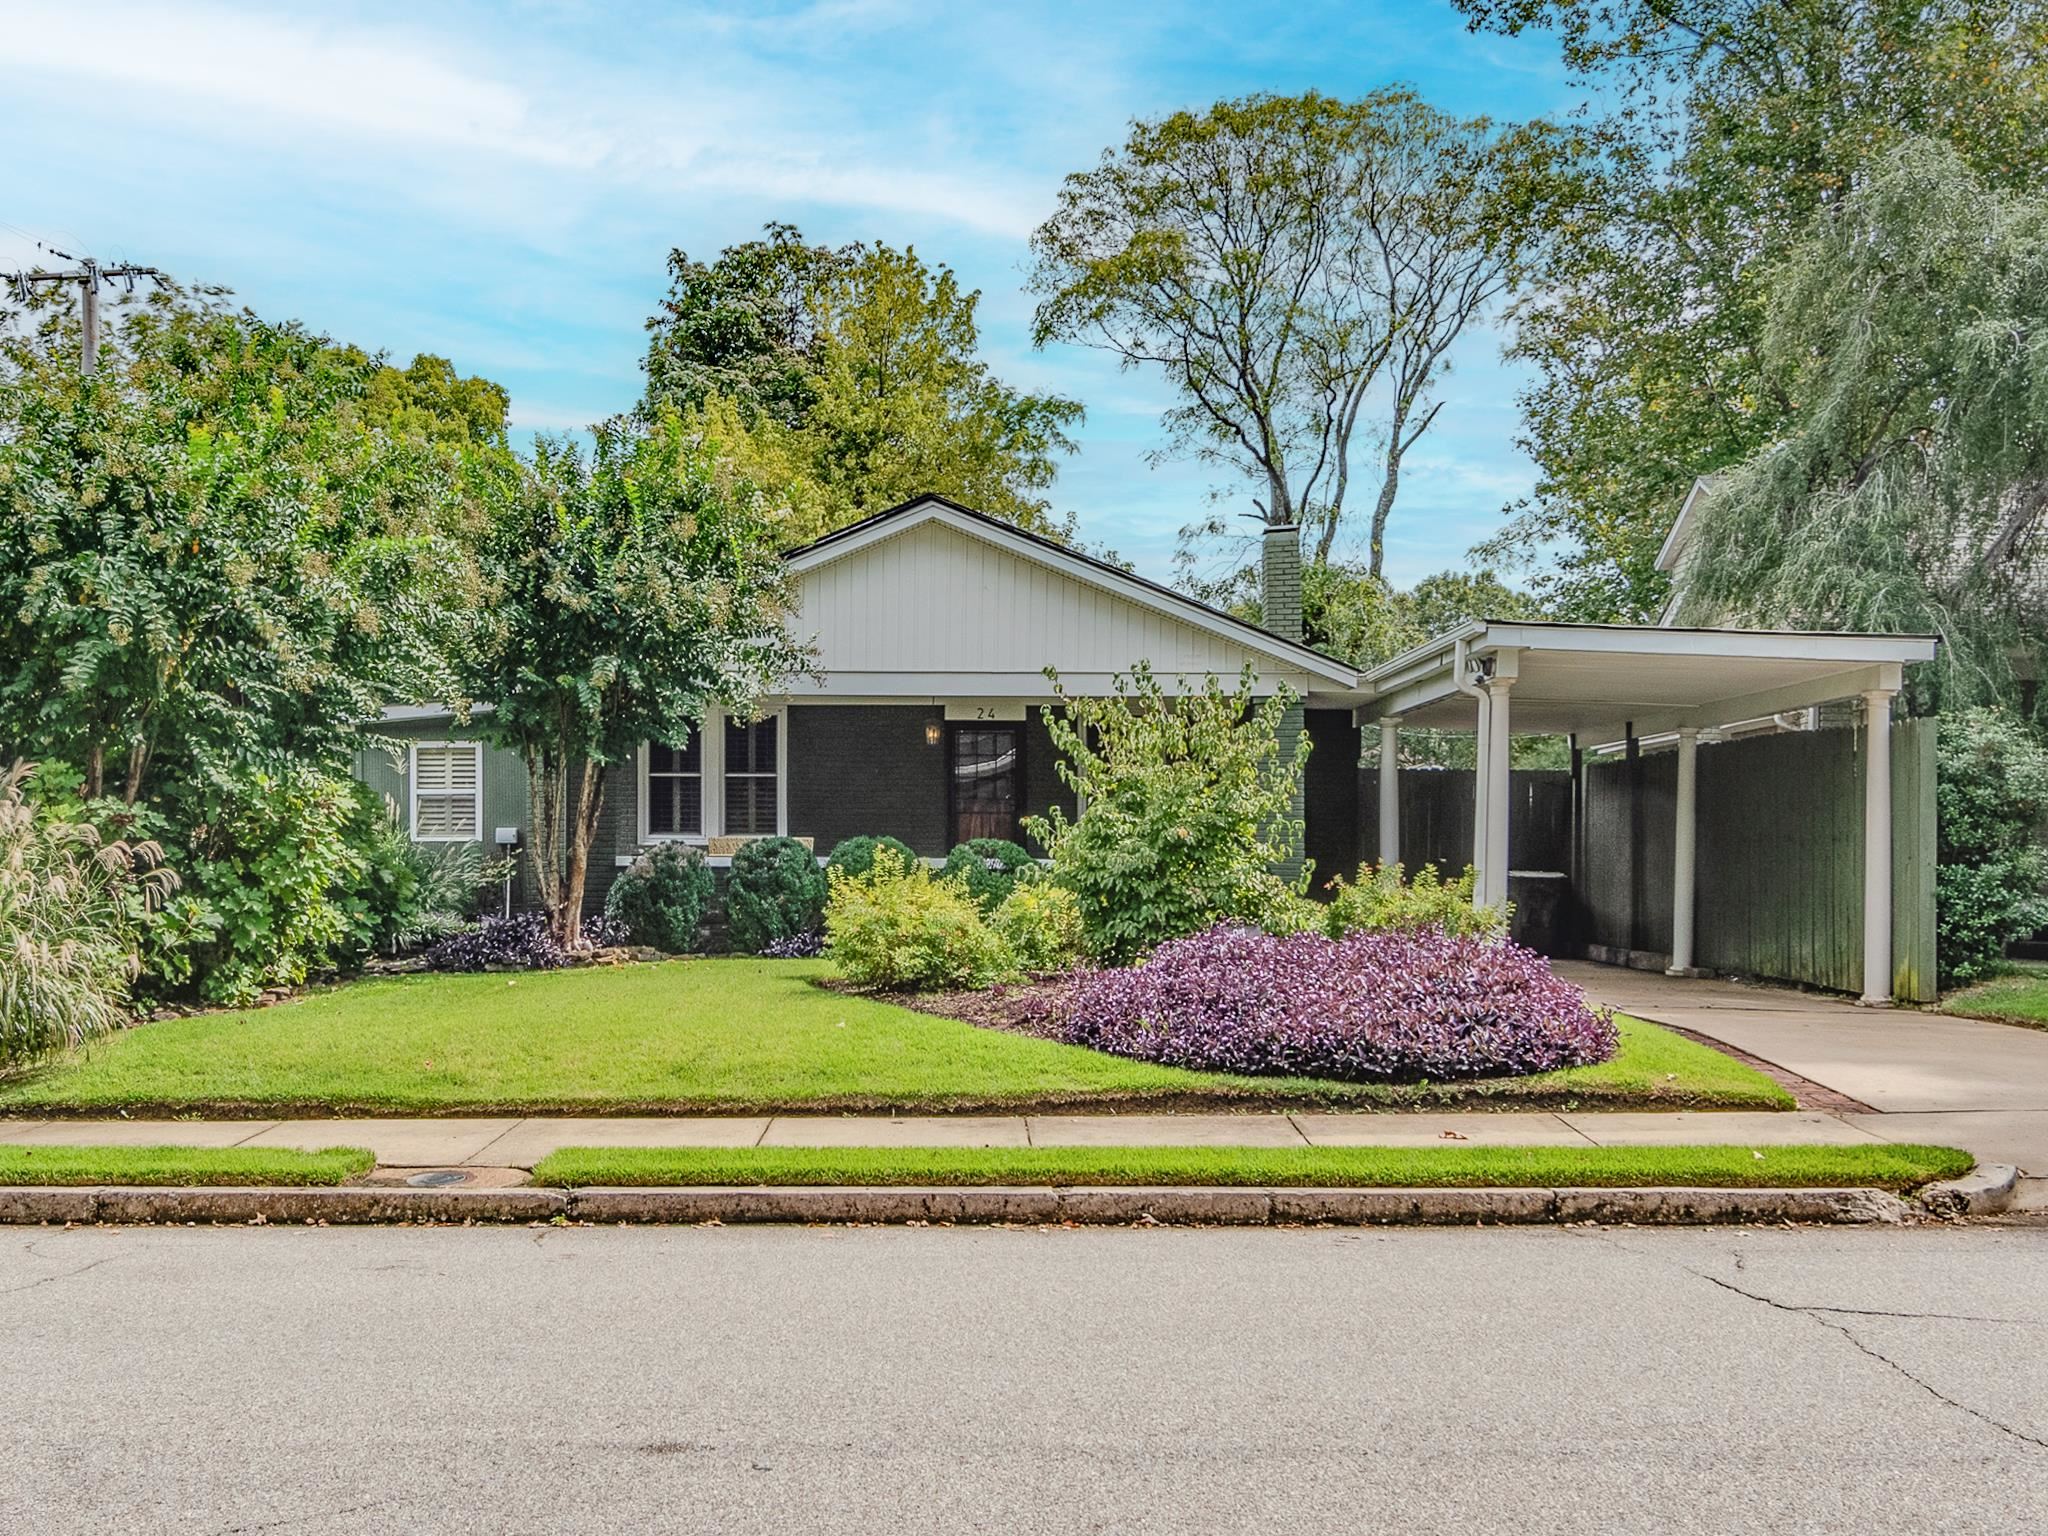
[[69, 1274], [1814, 1314]]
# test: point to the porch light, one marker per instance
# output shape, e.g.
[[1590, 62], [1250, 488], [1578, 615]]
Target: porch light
[[932, 732]]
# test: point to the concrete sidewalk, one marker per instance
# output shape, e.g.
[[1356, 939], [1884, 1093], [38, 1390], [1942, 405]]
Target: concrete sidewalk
[[1928, 1076], [511, 1143]]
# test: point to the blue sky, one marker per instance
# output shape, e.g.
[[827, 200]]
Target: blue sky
[[502, 183]]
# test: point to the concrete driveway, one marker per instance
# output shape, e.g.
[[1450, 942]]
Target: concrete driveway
[[1927, 1076]]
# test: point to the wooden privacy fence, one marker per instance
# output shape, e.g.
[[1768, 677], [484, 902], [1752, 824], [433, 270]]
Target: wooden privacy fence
[[1779, 892]]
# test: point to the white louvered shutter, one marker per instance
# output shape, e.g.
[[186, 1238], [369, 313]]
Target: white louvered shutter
[[445, 781]]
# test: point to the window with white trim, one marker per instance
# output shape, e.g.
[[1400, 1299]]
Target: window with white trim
[[447, 791], [753, 789], [673, 791]]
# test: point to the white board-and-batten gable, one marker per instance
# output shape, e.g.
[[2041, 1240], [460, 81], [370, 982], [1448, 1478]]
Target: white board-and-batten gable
[[931, 600]]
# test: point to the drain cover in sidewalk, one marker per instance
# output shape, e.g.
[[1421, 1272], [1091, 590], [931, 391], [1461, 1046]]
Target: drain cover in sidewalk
[[438, 1178]]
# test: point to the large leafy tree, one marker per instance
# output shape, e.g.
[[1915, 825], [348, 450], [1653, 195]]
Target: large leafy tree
[[1907, 486], [204, 554], [1727, 126], [848, 379], [1300, 269], [624, 592]]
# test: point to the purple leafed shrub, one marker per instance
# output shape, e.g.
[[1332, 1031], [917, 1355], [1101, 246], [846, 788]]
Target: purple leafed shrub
[[807, 945], [523, 942], [1385, 1006]]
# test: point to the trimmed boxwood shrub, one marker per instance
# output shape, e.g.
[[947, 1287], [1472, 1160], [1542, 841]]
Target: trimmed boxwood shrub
[[776, 891], [661, 897], [1388, 1006], [856, 855], [990, 868]]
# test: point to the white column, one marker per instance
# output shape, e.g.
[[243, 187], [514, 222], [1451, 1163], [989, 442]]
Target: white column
[[1497, 742], [1390, 789], [1877, 848], [1684, 844], [1480, 758]]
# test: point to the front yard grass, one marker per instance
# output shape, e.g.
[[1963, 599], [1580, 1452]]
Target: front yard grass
[[181, 1165], [731, 1037], [2020, 997], [1721, 1167]]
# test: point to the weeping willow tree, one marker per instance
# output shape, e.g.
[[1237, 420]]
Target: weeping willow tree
[[1910, 491]]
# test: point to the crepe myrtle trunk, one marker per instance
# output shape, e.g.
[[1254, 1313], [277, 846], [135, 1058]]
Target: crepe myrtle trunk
[[544, 815], [568, 922]]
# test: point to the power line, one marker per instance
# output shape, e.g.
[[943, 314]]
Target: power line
[[89, 275]]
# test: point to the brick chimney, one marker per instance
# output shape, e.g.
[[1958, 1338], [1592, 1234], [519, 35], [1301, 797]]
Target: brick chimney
[[1280, 579]]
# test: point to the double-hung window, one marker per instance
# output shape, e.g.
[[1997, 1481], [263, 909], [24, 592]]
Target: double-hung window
[[752, 778], [675, 788], [447, 791]]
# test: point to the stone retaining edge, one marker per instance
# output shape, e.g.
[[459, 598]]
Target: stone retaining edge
[[1115, 1205]]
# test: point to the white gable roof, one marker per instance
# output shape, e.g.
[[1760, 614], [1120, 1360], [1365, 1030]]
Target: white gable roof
[[931, 599]]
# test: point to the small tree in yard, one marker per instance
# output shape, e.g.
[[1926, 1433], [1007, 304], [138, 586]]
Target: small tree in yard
[[1188, 802], [624, 593]]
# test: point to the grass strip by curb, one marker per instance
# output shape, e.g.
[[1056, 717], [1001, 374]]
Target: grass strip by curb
[[180, 1165], [1879, 1166]]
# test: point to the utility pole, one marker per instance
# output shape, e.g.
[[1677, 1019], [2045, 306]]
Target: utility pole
[[89, 275]]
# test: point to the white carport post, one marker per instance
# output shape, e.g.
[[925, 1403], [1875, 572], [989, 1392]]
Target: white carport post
[[1494, 872], [1390, 790], [1684, 846], [1480, 757], [1877, 849]]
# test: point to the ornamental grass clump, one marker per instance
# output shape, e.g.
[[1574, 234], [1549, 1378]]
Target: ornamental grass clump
[[1388, 1006]]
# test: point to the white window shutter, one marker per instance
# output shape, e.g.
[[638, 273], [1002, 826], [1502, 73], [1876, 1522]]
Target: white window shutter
[[446, 778]]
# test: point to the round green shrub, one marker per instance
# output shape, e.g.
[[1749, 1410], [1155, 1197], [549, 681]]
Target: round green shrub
[[661, 898], [990, 868], [856, 855], [776, 891]]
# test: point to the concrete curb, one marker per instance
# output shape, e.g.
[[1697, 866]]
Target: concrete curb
[[981, 1205], [1985, 1190]]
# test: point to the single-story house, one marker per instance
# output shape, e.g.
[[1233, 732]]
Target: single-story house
[[933, 625]]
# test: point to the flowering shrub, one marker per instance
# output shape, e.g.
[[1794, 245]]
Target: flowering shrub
[[1383, 899], [899, 926], [1041, 922], [520, 943], [807, 945], [1188, 803], [990, 868], [1369, 1007]]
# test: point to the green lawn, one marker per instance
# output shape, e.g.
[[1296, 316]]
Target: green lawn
[[725, 1036], [180, 1165], [2018, 998], [1721, 1167]]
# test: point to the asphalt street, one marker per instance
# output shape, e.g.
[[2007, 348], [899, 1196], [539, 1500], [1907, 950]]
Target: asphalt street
[[846, 1380]]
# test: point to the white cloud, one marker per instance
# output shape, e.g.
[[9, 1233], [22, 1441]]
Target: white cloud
[[341, 89]]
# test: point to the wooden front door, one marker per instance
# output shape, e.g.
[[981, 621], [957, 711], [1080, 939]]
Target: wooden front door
[[987, 781]]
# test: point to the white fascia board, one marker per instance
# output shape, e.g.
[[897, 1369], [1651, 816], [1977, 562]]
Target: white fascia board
[[1736, 644], [1145, 595], [1674, 540], [1741, 708], [403, 712], [938, 687]]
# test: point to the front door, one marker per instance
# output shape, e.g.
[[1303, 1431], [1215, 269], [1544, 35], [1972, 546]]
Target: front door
[[987, 780]]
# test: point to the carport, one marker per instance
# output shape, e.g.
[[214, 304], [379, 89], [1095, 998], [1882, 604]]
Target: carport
[[1602, 685]]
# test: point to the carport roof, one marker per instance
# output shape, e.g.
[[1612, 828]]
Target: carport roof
[[1597, 678]]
